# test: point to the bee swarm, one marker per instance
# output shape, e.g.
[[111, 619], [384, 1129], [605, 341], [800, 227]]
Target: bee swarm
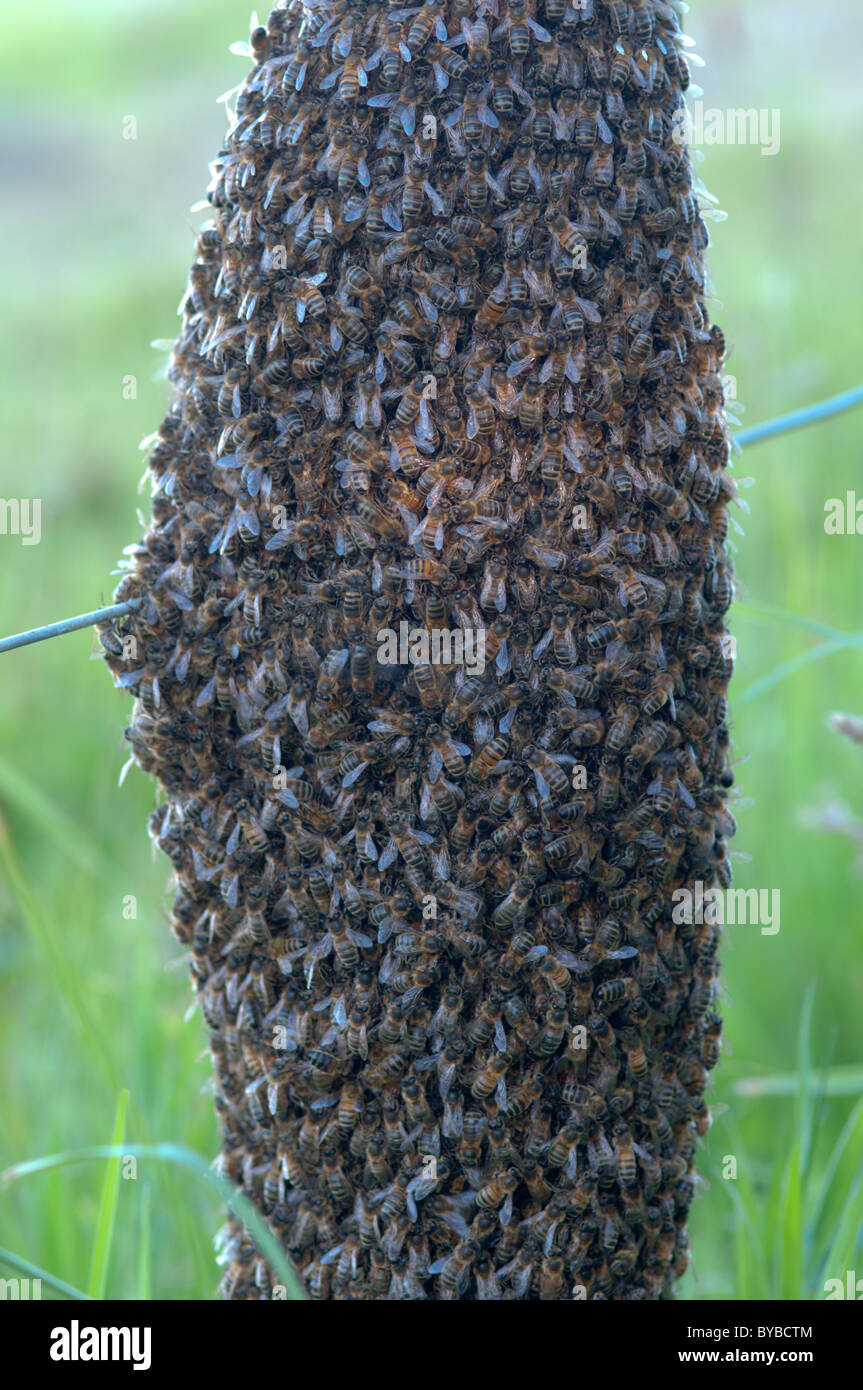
[[446, 360]]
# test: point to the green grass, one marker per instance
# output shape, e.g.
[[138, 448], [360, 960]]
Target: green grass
[[94, 1002]]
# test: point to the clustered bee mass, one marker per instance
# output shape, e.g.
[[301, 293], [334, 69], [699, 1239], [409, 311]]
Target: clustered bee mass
[[446, 359]]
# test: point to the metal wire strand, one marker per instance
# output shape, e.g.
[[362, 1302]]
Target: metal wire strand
[[40, 634], [807, 416]]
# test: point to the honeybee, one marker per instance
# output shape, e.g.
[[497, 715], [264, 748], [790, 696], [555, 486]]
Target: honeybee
[[484, 763], [429, 20]]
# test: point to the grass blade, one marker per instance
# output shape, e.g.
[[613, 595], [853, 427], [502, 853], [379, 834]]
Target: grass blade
[[742, 1247], [144, 1280], [841, 1172], [53, 822], [769, 615], [108, 1206], [789, 668], [842, 1252], [258, 1230], [836, 1081], [749, 1245], [63, 967], [34, 1272], [803, 1106], [790, 1278]]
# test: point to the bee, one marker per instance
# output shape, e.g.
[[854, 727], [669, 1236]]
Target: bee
[[590, 124], [513, 908], [492, 310], [429, 20], [642, 20], [570, 238], [488, 758], [550, 1035], [447, 753], [455, 1270], [632, 1045]]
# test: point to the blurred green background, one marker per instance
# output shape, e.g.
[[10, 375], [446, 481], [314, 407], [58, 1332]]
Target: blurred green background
[[97, 239]]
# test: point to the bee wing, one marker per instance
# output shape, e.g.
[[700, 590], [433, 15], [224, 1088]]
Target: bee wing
[[330, 80], [437, 202], [515, 369], [589, 309], [299, 715], [297, 132], [441, 79], [205, 695], [567, 958], [622, 953], [547, 367], [409, 119], [427, 307], [391, 216], [685, 796], [129, 678], [359, 938], [354, 776], [389, 854], [435, 765], [542, 34], [541, 785], [494, 185], [440, 863], [542, 644], [383, 99], [249, 517]]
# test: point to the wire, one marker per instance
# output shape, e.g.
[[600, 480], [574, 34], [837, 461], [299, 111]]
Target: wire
[[821, 411], [40, 634], [807, 416]]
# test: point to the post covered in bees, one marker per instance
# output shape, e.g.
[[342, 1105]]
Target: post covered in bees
[[430, 661]]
